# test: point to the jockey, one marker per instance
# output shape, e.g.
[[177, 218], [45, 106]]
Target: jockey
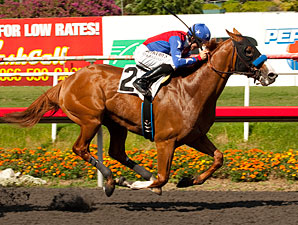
[[164, 53]]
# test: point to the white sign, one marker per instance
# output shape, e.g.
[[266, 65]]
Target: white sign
[[275, 33]]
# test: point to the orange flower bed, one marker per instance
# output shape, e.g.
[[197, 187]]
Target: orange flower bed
[[240, 165]]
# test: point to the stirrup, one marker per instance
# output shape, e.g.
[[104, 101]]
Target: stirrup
[[139, 88]]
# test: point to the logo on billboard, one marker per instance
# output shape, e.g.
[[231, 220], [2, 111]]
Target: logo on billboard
[[293, 48], [287, 36], [124, 47], [281, 36]]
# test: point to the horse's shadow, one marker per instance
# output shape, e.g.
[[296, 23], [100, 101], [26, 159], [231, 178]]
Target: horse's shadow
[[197, 206], [154, 206], [30, 208], [19, 208]]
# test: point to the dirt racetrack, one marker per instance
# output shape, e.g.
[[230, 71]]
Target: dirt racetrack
[[88, 206]]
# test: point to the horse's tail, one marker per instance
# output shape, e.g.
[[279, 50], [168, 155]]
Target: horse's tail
[[32, 115]]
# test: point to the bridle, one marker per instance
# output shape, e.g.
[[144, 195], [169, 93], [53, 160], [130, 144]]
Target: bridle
[[253, 71]]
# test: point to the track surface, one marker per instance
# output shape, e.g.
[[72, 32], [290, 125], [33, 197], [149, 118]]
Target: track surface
[[90, 206]]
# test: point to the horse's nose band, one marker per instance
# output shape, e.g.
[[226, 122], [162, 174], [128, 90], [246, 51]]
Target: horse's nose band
[[259, 61]]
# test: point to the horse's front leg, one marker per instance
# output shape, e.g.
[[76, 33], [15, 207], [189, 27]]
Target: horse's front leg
[[203, 144], [165, 152]]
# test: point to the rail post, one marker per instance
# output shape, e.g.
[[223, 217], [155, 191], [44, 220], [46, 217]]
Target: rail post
[[246, 103], [54, 125], [100, 156]]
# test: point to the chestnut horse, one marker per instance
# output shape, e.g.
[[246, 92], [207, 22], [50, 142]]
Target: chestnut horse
[[184, 110]]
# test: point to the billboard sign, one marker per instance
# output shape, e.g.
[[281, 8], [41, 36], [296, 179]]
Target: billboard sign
[[269, 30], [286, 37], [47, 37]]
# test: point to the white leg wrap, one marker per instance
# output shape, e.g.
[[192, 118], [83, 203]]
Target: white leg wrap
[[140, 184]]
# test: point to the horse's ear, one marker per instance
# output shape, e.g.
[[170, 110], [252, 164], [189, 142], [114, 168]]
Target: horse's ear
[[229, 33], [235, 37], [236, 31]]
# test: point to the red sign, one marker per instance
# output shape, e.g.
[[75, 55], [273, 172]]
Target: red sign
[[47, 37]]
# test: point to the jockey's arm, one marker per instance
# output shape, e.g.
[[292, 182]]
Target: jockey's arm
[[176, 53], [202, 54]]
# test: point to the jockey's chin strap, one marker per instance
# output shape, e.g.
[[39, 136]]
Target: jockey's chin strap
[[194, 38], [254, 71]]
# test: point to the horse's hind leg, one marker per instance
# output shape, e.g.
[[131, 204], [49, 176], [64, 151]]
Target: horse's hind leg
[[203, 144], [118, 136], [81, 148]]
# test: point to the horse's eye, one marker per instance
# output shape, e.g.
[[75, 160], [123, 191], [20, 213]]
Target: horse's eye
[[249, 52]]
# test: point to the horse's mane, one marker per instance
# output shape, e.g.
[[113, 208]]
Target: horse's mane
[[213, 44]]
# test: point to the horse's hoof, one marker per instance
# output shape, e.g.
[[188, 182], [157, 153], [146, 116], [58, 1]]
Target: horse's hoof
[[120, 181], [185, 182], [157, 191], [123, 182], [109, 189]]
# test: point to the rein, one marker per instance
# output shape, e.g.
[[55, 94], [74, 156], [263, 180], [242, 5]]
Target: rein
[[252, 74]]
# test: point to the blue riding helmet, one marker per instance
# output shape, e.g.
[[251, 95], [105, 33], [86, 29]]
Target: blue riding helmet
[[201, 31]]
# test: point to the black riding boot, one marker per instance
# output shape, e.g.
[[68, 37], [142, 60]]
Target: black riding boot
[[142, 84]]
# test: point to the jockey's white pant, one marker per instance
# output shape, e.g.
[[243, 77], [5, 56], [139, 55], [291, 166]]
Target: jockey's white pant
[[151, 59]]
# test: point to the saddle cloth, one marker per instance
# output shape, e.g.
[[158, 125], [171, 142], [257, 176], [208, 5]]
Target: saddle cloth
[[130, 74]]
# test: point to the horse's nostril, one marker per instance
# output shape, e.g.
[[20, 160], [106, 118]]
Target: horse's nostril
[[272, 75]]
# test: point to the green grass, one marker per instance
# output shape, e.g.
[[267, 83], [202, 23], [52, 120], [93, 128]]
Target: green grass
[[19, 96], [260, 96], [275, 137]]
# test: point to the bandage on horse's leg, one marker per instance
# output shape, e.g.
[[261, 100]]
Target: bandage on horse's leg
[[203, 144], [118, 136], [81, 148]]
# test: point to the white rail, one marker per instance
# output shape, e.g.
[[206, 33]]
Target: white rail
[[91, 58]]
